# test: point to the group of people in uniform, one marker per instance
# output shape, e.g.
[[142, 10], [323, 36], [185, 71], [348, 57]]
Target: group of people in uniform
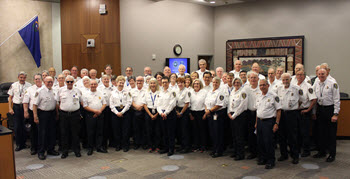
[[199, 111]]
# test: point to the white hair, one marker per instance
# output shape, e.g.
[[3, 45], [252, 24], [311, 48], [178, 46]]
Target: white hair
[[252, 73], [286, 74]]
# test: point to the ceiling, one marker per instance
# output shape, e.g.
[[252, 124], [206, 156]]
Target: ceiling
[[217, 2]]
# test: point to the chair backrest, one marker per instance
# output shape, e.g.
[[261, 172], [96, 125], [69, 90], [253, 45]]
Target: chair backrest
[[344, 95]]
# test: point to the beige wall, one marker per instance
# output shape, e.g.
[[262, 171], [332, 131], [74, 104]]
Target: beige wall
[[14, 54], [149, 27], [325, 25]]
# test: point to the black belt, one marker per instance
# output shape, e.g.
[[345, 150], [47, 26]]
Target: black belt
[[265, 119], [69, 113], [329, 106], [119, 108], [39, 110], [17, 104]]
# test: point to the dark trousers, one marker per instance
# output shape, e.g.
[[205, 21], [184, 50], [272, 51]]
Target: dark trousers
[[200, 129], [238, 126], [83, 132], [18, 124], [153, 132], [168, 126], [46, 131], [139, 127], [252, 141], [94, 128], [33, 132], [121, 127], [107, 128], [327, 130], [265, 138], [288, 132], [70, 129], [304, 131], [184, 126], [216, 130], [227, 131]]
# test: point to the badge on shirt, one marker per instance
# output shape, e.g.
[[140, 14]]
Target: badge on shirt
[[129, 94], [277, 99], [36, 94], [292, 94], [300, 92], [268, 100], [25, 92], [221, 97], [99, 97], [309, 81], [311, 90], [189, 94], [174, 94], [244, 95], [335, 85]]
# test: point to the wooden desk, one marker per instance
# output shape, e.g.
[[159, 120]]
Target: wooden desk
[[344, 118], [7, 157], [4, 109]]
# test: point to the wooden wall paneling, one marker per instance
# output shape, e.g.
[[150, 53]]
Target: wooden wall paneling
[[111, 53], [71, 56], [95, 17], [110, 31]]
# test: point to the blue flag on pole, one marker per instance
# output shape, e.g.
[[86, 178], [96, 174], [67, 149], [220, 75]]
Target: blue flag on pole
[[30, 36]]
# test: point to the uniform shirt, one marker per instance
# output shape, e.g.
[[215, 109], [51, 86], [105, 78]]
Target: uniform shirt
[[178, 75], [120, 99], [327, 93], [94, 100], [267, 105], [84, 90], [106, 91], [166, 101], [45, 99], [215, 98], [329, 77], [138, 95], [308, 95], [69, 99], [150, 99], [29, 96], [55, 82], [295, 80], [252, 95], [182, 97], [290, 96], [261, 77], [200, 74], [208, 88], [57, 88], [17, 91], [274, 85], [76, 79], [238, 102], [227, 91], [236, 73], [173, 87]]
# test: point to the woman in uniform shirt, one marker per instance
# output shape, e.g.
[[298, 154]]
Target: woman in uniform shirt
[[238, 104], [173, 78], [182, 112], [119, 103], [194, 75], [159, 76], [200, 125], [188, 81], [214, 113], [152, 117]]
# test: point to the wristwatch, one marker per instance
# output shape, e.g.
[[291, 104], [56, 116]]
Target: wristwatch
[[277, 123]]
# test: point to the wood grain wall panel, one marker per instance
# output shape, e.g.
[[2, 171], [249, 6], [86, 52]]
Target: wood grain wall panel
[[80, 19]]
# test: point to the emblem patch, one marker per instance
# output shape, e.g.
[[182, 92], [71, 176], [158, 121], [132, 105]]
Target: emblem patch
[[36, 94], [189, 94], [335, 85], [99, 97], [174, 94], [277, 99], [301, 92], [311, 90], [129, 94], [221, 97], [244, 95]]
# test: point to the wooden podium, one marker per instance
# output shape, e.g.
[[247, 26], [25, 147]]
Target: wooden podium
[[7, 157]]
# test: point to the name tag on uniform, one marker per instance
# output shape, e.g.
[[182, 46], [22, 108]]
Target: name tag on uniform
[[153, 111], [215, 117]]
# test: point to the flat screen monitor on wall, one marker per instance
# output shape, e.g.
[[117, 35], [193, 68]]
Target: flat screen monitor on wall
[[174, 63]]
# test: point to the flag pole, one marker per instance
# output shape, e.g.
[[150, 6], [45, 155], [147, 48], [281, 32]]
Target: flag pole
[[19, 29]]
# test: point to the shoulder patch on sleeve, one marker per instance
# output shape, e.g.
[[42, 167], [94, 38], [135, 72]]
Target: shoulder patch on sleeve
[[244, 95], [311, 90], [221, 97], [174, 94], [277, 99], [189, 94], [36, 94], [309, 81], [129, 94], [301, 92], [335, 85]]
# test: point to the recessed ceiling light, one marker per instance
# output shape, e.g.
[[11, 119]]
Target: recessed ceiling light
[[212, 2]]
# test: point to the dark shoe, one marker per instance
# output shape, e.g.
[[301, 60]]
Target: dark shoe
[[77, 154], [261, 162], [41, 156], [136, 147], [118, 148], [33, 152], [295, 161], [330, 158], [19, 148], [145, 147], [170, 153], [238, 157], [251, 156], [64, 155], [216, 155], [90, 151], [53, 152], [163, 151], [102, 150], [125, 149], [319, 155], [282, 158], [185, 151], [305, 154], [269, 166], [233, 155], [212, 153]]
